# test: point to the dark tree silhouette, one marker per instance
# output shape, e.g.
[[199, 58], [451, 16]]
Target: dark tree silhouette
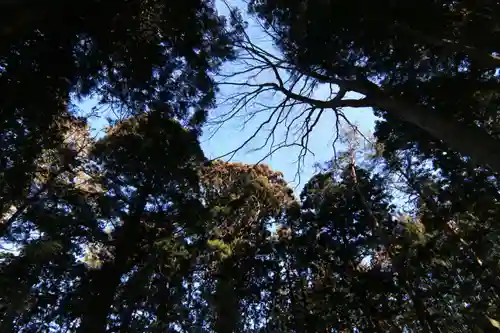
[[136, 231]]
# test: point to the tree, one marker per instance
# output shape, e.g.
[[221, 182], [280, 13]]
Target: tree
[[138, 232], [130, 55], [245, 200], [436, 78], [134, 57], [154, 182], [134, 179], [185, 245], [163, 229], [454, 207]]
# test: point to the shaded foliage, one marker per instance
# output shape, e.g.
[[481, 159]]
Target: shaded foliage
[[138, 232]]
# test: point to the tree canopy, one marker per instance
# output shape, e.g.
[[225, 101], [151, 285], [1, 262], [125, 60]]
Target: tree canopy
[[426, 66], [138, 231]]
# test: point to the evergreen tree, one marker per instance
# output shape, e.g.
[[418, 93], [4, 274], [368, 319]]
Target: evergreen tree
[[138, 232]]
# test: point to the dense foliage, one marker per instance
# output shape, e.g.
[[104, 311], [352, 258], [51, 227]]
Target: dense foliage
[[137, 231]]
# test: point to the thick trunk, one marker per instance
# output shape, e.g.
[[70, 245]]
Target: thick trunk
[[105, 281], [227, 302], [470, 141], [483, 149], [418, 304], [371, 316], [103, 286]]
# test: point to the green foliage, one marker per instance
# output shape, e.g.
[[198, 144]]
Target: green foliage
[[137, 232], [219, 246]]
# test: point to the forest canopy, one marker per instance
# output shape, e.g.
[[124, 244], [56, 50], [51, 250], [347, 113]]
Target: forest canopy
[[137, 230]]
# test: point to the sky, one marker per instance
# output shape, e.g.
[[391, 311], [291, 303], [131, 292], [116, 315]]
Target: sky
[[233, 134], [219, 141]]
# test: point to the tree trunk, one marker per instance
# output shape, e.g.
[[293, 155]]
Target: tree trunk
[[103, 285], [469, 141], [482, 148], [469, 248], [227, 303], [105, 281], [424, 317]]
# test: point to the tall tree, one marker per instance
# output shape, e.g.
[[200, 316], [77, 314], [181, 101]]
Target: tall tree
[[438, 78], [130, 55], [154, 182], [245, 201]]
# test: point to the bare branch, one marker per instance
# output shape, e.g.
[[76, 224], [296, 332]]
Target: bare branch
[[260, 77]]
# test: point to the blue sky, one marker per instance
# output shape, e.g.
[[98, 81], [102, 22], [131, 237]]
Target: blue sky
[[232, 134]]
